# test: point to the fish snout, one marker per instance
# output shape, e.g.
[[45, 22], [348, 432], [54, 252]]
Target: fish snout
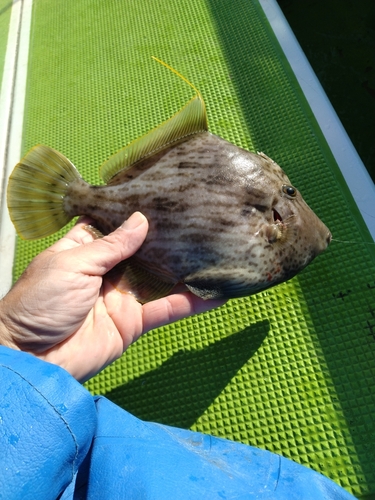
[[329, 238], [323, 239]]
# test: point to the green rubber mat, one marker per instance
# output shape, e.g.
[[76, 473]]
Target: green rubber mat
[[5, 11], [292, 369]]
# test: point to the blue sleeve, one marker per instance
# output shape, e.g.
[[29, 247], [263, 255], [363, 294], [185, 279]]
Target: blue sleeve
[[57, 441], [149, 460], [47, 422]]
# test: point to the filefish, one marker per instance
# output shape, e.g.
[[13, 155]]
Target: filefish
[[223, 221]]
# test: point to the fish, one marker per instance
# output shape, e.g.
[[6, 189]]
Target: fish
[[224, 222]]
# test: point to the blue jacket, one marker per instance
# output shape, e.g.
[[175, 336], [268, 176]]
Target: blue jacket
[[56, 439]]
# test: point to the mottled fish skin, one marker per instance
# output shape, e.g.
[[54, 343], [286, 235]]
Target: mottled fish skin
[[221, 218], [223, 221]]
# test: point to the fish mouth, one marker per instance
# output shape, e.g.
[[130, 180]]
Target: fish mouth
[[276, 216], [277, 230]]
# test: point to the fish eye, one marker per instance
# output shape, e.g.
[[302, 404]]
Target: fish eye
[[289, 191]]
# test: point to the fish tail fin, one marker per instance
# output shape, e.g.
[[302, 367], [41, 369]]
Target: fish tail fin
[[36, 191]]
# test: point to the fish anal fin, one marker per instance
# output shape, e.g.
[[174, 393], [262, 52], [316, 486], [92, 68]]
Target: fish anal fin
[[130, 277]]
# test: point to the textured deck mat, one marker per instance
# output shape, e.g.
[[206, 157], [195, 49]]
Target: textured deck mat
[[292, 369], [5, 11]]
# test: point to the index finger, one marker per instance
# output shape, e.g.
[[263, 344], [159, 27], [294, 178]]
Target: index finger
[[175, 307]]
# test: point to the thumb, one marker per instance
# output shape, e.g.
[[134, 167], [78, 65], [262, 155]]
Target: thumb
[[101, 255]]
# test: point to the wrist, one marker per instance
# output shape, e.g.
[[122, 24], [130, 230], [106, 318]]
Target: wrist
[[6, 338]]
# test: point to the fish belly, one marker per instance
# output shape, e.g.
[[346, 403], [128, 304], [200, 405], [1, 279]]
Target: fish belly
[[194, 202]]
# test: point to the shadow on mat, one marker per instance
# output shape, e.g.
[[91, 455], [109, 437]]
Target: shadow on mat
[[182, 388]]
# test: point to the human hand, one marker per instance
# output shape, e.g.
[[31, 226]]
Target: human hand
[[61, 310]]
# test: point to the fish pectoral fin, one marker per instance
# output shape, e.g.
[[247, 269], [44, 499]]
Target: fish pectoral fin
[[130, 277], [191, 119], [203, 292], [222, 287], [95, 233]]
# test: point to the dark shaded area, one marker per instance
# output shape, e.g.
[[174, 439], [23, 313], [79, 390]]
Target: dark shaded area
[[338, 38], [182, 388], [254, 73]]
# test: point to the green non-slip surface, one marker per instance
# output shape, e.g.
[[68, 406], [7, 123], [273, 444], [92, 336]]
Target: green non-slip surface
[[291, 369], [5, 11]]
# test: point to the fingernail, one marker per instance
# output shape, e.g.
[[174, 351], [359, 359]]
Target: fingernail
[[134, 221]]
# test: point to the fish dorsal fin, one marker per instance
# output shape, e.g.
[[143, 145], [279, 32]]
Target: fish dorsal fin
[[191, 119]]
